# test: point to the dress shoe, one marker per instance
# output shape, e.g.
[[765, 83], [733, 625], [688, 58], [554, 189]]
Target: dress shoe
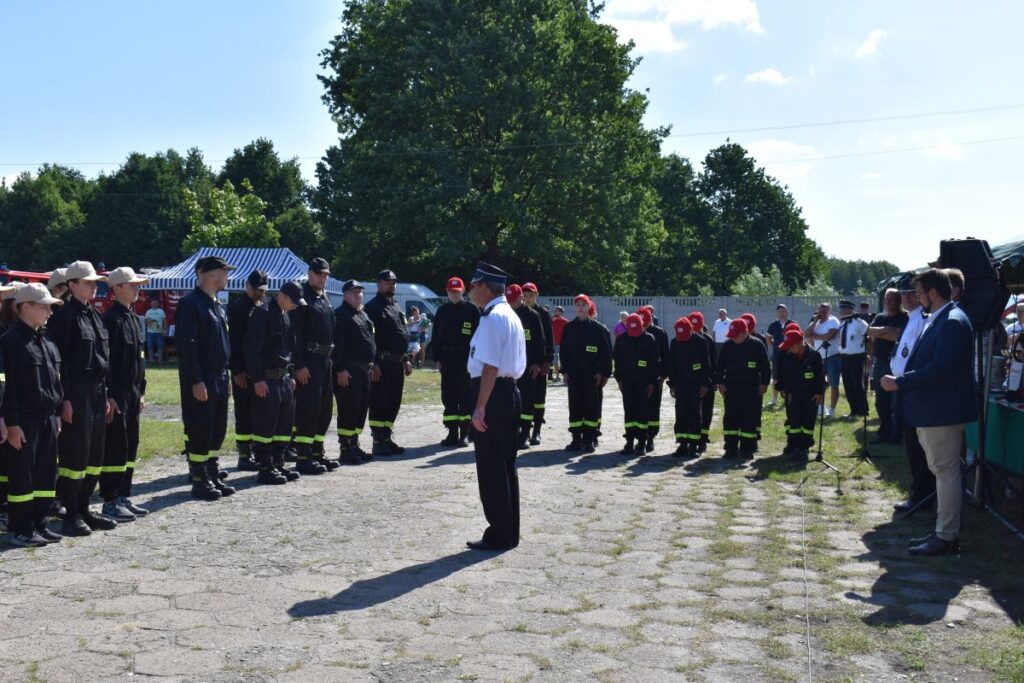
[[935, 547], [74, 526], [98, 522], [921, 539], [483, 545]]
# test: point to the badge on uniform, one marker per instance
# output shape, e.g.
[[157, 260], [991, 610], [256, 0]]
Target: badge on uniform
[[641, 364], [751, 363], [591, 349], [696, 366], [528, 336], [906, 351], [472, 351], [808, 375]]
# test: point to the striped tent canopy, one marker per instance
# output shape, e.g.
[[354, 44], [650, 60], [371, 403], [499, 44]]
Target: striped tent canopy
[[281, 265]]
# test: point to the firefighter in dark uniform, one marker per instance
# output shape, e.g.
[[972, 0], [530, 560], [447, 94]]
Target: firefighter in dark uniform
[[314, 396], [354, 351], [654, 402], [32, 396], [802, 385], [636, 361], [239, 312], [268, 347], [201, 340], [689, 373], [707, 404], [778, 365], [81, 338], [126, 387], [586, 365], [742, 376], [391, 366], [5, 292], [533, 332], [752, 331], [454, 324], [540, 388]]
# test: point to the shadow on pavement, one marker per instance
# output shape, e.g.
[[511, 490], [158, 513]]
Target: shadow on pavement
[[369, 592]]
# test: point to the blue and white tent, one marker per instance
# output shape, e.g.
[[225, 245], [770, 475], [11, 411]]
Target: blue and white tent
[[281, 265]]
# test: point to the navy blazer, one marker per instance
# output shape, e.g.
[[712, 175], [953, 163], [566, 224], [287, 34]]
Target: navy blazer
[[938, 388]]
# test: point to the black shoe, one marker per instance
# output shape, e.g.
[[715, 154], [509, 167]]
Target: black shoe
[[349, 457], [702, 447], [524, 443], [463, 441], [681, 451], [906, 506], [649, 446], [29, 540], [48, 536], [535, 437], [57, 510], [98, 522], [271, 477], [395, 448], [290, 454], [202, 487], [290, 475], [74, 526], [117, 512], [574, 445], [331, 465], [452, 440], [381, 449], [590, 447], [247, 464], [310, 466], [921, 539], [133, 508], [484, 545], [221, 487], [731, 453], [628, 448], [903, 506], [936, 546], [747, 454]]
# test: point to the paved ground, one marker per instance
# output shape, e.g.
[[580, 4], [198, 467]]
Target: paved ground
[[631, 570]]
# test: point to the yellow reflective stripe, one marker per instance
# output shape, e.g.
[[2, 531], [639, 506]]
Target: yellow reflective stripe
[[93, 471], [3, 479], [44, 494], [304, 439], [683, 435], [538, 406], [451, 418], [379, 423], [747, 435], [239, 438], [731, 432], [588, 423], [640, 425], [11, 498], [808, 375], [705, 432], [573, 425], [696, 366], [318, 438], [653, 424], [524, 416], [348, 432], [198, 457], [3, 377], [113, 468], [282, 438], [130, 465], [70, 474], [262, 439]]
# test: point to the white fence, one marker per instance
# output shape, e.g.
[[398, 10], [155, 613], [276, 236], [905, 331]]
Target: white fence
[[668, 309]]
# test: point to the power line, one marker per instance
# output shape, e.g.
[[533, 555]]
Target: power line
[[542, 145], [898, 150]]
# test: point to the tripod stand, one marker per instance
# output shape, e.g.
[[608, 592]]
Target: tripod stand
[[865, 454], [821, 424]]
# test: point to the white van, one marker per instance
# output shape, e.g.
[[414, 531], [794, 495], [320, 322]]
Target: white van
[[407, 295]]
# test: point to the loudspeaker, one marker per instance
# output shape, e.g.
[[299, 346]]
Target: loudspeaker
[[985, 294]]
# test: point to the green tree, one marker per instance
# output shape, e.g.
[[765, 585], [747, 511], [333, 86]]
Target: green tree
[[470, 129], [753, 220], [756, 283], [229, 221], [820, 286], [847, 276]]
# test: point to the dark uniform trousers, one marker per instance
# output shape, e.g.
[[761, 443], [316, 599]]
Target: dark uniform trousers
[[353, 403], [31, 472], [386, 397], [584, 403], [654, 410], [243, 412], [707, 412], [272, 416], [884, 404], [801, 415], [540, 396], [120, 450], [922, 480], [688, 412], [206, 421], [81, 445], [313, 406], [740, 421], [455, 392], [496, 462], [527, 388], [852, 369], [636, 406]]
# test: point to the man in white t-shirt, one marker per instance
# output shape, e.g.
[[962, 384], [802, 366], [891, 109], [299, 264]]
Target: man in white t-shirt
[[721, 328], [155, 321], [822, 332]]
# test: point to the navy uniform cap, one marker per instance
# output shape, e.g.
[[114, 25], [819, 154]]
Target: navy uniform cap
[[845, 303], [258, 280], [211, 263], [906, 283], [319, 265], [351, 284], [485, 272], [293, 292], [387, 274]]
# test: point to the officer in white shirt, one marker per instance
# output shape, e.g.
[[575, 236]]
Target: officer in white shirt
[[721, 328], [822, 332], [922, 481], [852, 353], [497, 358]]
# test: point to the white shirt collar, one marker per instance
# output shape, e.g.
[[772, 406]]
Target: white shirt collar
[[500, 299]]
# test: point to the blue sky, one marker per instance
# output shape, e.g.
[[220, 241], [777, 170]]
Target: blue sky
[[93, 81]]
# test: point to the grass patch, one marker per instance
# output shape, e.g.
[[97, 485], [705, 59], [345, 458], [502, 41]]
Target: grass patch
[[847, 640], [1001, 654]]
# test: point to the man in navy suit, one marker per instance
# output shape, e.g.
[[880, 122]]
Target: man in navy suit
[[938, 394]]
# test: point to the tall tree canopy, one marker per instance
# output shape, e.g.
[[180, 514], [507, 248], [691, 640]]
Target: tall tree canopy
[[503, 131]]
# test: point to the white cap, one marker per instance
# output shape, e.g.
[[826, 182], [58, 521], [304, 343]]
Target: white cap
[[9, 291], [82, 270], [35, 293], [124, 274], [57, 278]]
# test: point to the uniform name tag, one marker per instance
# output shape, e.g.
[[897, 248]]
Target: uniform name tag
[[467, 326], [467, 331], [696, 366], [591, 349], [528, 336], [808, 375], [641, 364], [751, 363], [142, 354]]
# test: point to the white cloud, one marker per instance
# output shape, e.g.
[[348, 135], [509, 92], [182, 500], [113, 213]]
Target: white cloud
[[770, 152], [651, 24], [720, 78], [946, 150], [870, 44], [771, 76]]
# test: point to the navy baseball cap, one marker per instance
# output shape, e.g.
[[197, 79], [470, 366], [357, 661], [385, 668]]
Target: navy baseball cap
[[351, 284], [211, 263], [387, 275], [319, 265], [294, 292], [258, 279]]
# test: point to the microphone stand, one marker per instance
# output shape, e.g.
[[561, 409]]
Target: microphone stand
[[821, 426]]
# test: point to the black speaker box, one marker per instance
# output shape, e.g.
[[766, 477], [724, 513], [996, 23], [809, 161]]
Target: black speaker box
[[985, 294]]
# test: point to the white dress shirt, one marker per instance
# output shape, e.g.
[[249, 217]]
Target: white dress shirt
[[720, 329], [911, 333], [499, 340], [856, 331]]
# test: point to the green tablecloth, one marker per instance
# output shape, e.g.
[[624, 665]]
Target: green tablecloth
[[1004, 441]]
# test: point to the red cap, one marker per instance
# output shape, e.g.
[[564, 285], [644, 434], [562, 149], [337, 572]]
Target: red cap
[[530, 287], [736, 328], [751, 321], [513, 293], [697, 320], [684, 329], [592, 310], [581, 297], [793, 337], [649, 309], [634, 325], [455, 285], [645, 315], [792, 326]]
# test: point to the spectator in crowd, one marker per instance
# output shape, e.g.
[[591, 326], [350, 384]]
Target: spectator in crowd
[[884, 332], [721, 328], [853, 354], [412, 326], [956, 282], [620, 327], [156, 327], [865, 312], [822, 331], [558, 323], [777, 335], [938, 394]]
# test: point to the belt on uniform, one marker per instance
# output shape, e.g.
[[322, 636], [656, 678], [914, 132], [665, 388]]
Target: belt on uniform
[[497, 380], [359, 366], [390, 356], [275, 373], [322, 349]]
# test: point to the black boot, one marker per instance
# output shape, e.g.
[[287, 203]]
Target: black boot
[[682, 450], [246, 462], [395, 448], [348, 455], [524, 438], [628, 448], [363, 455], [305, 463], [318, 455], [577, 442], [589, 441], [649, 444], [452, 440], [291, 453], [535, 437], [267, 473], [380, 445], [216, 479], [464, 434], [202, 487], [280, 455]]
